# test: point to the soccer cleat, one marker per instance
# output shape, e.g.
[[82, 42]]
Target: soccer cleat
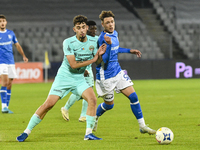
[[82, 119], [91, 136], [65, 113], [95, 125], [148, 130], [5, 110], [22, 137], [9, 111]]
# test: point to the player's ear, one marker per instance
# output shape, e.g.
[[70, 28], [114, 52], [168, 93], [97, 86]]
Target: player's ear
[[6, 22], [74, 29], [102, 24]]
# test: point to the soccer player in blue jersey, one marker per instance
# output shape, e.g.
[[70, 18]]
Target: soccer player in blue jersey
[[89, 77], [110, 76], [80, 51], [7, 64]]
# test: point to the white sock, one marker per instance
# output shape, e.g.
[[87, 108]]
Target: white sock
[[4, 105], [27, 131], [88, 131], [141, 122]]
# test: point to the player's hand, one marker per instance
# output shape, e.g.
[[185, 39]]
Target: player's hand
[[136, 52], [25, 59], [107, 39], [102, 49]]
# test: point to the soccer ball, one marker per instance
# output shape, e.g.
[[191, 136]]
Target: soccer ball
[[164, 135]]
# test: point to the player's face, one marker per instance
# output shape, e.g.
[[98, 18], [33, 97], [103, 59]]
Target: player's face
[[108, 24], [3, 24], [81, 30], [92, 30]]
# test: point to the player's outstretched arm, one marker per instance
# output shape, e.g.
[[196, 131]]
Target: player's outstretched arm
[[20, 50], [136, 52]]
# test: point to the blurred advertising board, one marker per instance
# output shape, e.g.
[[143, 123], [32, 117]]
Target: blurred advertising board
[[29, 72]]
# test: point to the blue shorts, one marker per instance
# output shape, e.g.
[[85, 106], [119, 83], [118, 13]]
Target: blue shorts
[[62, 85]]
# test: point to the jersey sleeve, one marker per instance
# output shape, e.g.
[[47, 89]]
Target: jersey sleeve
[[124, 50], [14, 39], [67, 48]]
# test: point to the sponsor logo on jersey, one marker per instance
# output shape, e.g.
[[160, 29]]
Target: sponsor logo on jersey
[[114, 48], [82, 49]]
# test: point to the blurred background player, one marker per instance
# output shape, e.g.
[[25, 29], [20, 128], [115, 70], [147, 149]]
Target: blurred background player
[[111, 77], [89, 77], [80, 51], [7, 64]]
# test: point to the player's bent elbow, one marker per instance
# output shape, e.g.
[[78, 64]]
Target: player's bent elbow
[[73, 66]]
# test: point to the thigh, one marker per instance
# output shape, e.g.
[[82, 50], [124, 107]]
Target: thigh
[[104, 87], [3, 69], [12, 72], [89, 94], [90, 81], [47, 105], [81, 86], [124, 82], [60, 87]]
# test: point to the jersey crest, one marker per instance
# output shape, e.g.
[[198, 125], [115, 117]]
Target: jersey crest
[[91, 48]]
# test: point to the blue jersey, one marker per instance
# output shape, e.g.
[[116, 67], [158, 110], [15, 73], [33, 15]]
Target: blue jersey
[[7, 38], [110, 66]]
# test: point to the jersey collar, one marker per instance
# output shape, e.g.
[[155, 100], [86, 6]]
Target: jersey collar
[[3, 31]]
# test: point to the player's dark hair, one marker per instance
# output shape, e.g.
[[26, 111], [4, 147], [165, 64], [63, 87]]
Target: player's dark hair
[[79, 19], [105, 14], [91, 23], [2, 16]]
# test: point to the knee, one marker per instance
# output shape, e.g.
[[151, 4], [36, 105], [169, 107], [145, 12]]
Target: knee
[[9, 85], [4, 84], [92, 101], [47, 106]]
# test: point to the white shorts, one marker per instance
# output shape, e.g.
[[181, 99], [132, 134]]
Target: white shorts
[[9, 70], [105, 88]]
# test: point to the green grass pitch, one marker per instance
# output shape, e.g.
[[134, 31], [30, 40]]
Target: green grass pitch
[[172, 103]]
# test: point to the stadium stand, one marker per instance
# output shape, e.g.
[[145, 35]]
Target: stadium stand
[[181, 18], [43, 25]]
